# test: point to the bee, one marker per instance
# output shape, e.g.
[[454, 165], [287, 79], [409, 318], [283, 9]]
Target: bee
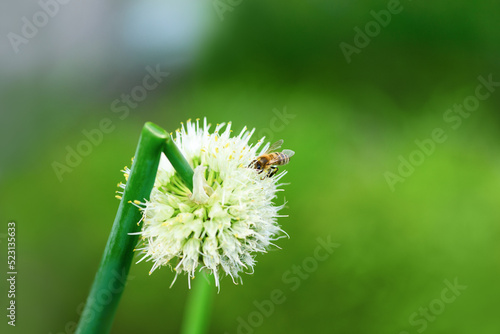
[[268, 162]]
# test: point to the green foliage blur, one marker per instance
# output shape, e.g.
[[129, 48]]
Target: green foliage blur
[[411, 215]]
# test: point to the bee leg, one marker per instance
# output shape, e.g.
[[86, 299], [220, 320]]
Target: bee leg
[[252, 164], [272, 171]]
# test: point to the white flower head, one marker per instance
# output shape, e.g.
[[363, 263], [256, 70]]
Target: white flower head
[[227, 219]]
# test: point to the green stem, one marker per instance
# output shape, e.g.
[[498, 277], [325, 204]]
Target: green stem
[[111, 277], [198, 308], [179, 163]]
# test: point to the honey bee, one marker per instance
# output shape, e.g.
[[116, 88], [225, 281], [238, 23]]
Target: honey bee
[[268, 162]]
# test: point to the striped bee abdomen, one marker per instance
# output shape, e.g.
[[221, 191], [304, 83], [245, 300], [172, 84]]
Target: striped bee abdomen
[[279, 159]]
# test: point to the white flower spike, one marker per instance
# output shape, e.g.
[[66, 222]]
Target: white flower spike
[[228, 218]]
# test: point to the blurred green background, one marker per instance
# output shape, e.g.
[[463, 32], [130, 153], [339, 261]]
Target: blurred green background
[[349, 123]]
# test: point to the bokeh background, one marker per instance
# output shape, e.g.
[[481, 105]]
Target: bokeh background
[[350, 122]]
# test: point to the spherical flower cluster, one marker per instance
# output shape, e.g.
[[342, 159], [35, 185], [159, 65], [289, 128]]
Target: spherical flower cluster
[[225, 221]]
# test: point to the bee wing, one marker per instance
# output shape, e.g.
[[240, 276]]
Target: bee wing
[[274, 147], [289, 153]]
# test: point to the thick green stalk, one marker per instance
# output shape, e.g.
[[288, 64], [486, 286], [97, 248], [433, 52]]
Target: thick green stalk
[[111, 277], [198, 307]]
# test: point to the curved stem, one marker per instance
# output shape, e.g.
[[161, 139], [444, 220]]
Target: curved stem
[[111, 277], [179, 163], [198, 307]]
